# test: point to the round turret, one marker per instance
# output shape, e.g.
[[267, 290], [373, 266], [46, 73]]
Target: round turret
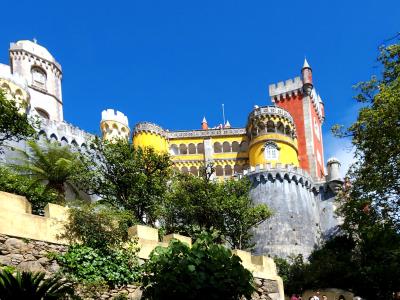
[[114, 125], [306, 73], [147, 134], [43, 74], [272, 136], [333, 168]]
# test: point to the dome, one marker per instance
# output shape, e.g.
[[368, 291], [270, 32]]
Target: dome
[[33, 48]]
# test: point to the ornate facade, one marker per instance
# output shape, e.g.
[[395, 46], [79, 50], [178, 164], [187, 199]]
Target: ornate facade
[[280, 149]]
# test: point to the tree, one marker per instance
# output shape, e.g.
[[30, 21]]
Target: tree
[[34, 286], [195, 204], [375, 177], [293, 272], [36, 193], [127, 177], [100, 251], [370, 201], [208, 271], [51, 164], [14, 126]]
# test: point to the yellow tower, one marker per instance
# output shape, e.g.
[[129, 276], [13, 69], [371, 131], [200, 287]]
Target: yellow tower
[[114, 125], [272, 137], [148, 134]]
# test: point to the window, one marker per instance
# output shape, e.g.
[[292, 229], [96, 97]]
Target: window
[[316, 129], [39, 77], [271, 151], [44, 114]]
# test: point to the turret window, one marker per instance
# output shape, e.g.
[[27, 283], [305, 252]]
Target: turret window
[[39, 77], [271, 151]]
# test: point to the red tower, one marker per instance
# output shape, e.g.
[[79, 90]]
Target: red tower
[[299, 97]]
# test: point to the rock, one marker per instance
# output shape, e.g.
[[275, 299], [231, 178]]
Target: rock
[[136, 295], [29, 257], [257, 282], [16, 258], [43, 260], [54, 267], [13, 243], [5, 260], [33, 266]]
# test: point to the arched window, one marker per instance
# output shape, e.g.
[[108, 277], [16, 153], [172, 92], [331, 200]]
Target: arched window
[[174, 150], [6, 89], [270, 126], [226, 147], [271, 151], [228, 170], [194, 171], [41, 112], [280, 128], [217, 147], [39, 77], [183, 149], [64, 141], [200, 148], [244, 146], [42, 136], [219, 171], [184, 170], [74, 144], [237, 169], [235, 147], [288, 131], [192, 149], [53, 138]]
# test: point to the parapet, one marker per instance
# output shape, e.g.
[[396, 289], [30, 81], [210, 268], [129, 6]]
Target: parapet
[[282, 90], [16, 220], [114, 115], [149, 128]]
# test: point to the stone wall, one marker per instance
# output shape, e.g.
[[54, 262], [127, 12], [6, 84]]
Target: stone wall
[[26, 241]]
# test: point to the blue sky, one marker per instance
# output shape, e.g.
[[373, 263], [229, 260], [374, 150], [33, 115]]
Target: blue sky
[[171, 62]]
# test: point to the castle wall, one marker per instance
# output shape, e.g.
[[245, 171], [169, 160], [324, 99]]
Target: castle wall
[[26, 240], [294, 228]]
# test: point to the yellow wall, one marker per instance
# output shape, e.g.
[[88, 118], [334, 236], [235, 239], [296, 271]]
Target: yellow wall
[[287, 152], [113, 130], [147, 139], [14, 92]]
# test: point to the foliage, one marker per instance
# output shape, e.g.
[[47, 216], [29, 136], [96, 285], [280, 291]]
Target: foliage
[[127, 177], [97, 226], [199, 203], [36, 193], [14, 126], [375, 178], [51, 163], [32, 286], [370, 202], [293, 272], [209, 271], [100, 251], [86, 265]]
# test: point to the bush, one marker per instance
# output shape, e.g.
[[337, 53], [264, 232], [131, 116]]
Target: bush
[[100, 251], [83, 264], [36, 193], [205, 271]]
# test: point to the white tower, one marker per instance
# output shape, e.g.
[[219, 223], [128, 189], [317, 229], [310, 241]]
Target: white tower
[[114, 125], [43, 73]]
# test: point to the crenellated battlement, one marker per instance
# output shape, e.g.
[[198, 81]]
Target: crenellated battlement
[[286, 89], [278, 171], [17, 220], [114, 115], [149, 128]]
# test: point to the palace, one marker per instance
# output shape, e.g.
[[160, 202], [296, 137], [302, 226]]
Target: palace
[[280, 149]]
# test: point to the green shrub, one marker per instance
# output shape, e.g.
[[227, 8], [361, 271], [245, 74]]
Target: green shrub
[[36, 193], [205, 271], [86, 265]]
